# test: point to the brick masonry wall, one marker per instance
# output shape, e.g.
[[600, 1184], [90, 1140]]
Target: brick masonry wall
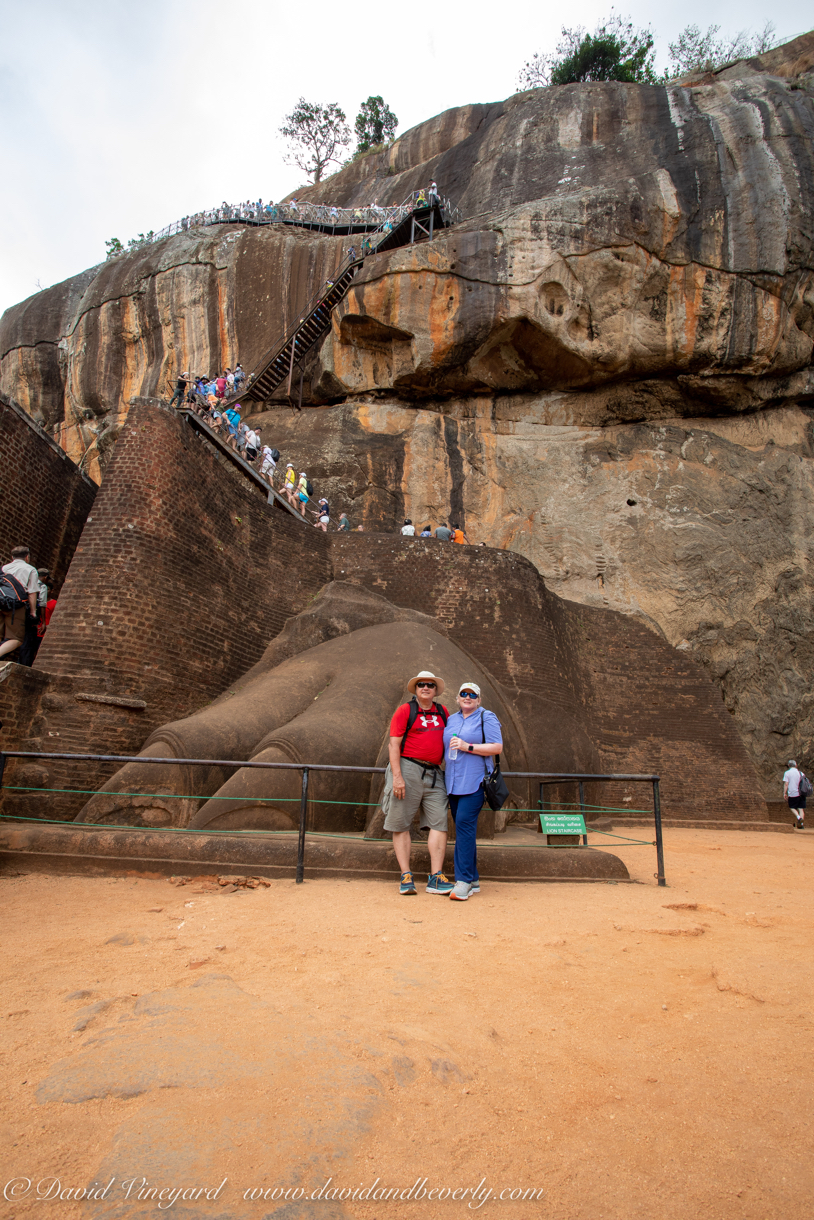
[[494, 603], [595, 690], [181, 578], [653, 709], [45, 499]]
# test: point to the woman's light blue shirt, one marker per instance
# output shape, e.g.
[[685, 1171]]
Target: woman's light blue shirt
[[466, 773]]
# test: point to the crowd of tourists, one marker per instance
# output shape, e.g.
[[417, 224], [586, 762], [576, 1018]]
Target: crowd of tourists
[[325, 216], [211, 399]]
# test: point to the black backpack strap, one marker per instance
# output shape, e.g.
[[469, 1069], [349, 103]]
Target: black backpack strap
[[494, 757], [411, 719]]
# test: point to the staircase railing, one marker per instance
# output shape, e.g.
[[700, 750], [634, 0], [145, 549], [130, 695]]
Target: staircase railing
[[324, 216], [332, 291]]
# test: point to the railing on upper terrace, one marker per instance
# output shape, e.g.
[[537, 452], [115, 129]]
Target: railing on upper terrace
[[320, 216]]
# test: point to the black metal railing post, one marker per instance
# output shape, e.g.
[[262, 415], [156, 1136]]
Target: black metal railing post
[[303, 812], [2, 767], [542, 806], [659, 841], [582, 809]]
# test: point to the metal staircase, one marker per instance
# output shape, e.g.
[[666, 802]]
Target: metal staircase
[[416, 220]]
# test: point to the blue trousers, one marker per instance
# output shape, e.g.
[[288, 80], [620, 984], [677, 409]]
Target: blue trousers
[[465, 810]]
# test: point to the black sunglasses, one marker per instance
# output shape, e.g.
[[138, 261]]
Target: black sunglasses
[[430, 685], [468, 694]]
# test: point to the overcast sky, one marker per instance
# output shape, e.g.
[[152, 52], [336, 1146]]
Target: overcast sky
[[121, 116]]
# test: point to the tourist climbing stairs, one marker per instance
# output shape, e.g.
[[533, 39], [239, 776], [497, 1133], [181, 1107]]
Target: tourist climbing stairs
[[415, 220], [235, 463]]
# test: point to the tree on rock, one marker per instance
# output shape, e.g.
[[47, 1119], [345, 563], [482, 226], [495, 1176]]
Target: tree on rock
[[316, 134], [615, 51], [375, 124]]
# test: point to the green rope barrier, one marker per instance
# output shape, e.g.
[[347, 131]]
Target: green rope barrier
[[194, 830], [270, 801], [184, 830], [623, 838], [281, 800]]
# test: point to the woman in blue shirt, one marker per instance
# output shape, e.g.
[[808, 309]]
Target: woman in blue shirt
[[471, 738]]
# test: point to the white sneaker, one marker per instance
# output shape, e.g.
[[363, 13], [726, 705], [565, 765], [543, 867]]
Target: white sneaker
[[461, 891]]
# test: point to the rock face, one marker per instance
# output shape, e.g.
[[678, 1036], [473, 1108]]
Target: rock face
[[607, 366], [77, 355]]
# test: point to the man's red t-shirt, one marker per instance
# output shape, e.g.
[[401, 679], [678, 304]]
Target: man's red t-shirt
[[425, 741]]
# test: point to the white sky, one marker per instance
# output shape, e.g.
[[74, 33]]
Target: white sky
[[121, 116]]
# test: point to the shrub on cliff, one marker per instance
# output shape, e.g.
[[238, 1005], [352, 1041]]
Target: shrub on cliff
[[693, 51], [615, 51], [618, 51]]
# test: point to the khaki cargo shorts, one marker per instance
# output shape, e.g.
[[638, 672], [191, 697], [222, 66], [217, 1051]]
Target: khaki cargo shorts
[[433, 801]]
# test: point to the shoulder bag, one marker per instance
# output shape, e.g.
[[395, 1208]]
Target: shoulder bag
[[495, 788]]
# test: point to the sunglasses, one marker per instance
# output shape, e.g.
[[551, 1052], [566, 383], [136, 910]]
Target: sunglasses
[[468, 694], [429, 685]]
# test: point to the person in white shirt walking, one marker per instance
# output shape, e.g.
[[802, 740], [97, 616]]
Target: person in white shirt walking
[[22, 586], [794, 795], [268, 465]]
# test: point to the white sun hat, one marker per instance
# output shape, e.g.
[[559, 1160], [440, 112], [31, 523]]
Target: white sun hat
[[440, 685]]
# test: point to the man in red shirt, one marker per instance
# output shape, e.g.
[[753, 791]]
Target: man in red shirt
[[415, 781]]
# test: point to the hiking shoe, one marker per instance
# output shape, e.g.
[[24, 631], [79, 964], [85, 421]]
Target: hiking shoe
[[437, 883], [461, 890], [407, 884], [474, 887]]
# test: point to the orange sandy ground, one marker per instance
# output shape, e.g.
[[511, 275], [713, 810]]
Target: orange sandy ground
[[631, 1051]]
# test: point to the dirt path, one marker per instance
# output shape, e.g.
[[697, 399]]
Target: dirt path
[[628, 1050]]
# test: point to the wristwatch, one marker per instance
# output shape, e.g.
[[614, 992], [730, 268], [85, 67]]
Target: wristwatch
[[471, 749]]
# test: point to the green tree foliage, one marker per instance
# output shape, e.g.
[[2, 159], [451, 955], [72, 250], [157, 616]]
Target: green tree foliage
[[143, 239], [375, 124], [315, 133], [695, 51], [615, 51], [114, 247]]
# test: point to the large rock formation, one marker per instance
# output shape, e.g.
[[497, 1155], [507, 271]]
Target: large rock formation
[[607, 366]]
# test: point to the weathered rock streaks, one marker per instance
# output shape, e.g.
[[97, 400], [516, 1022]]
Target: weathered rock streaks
[[127, 328], [607, 366]]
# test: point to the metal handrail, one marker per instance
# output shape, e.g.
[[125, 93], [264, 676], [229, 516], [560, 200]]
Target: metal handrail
[[323, 215], [306, 768]]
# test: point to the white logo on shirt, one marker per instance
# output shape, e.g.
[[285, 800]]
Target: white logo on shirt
[[425, 721]]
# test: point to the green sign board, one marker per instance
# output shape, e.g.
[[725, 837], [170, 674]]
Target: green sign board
[[563, 823]]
